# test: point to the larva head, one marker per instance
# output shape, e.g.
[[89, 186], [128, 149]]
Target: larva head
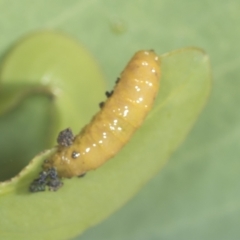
[[66, 161]]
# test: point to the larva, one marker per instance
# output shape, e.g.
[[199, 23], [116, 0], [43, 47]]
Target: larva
[[120, 115]]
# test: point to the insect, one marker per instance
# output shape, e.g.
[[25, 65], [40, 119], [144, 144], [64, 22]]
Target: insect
[[120, 115]]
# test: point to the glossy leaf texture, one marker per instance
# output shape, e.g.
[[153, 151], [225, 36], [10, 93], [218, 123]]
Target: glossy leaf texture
[[81, 203]]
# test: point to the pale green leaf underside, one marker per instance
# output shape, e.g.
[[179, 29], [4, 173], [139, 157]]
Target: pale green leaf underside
[[185, 86]]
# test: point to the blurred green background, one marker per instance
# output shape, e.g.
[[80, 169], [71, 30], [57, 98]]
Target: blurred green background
[[196, 195]]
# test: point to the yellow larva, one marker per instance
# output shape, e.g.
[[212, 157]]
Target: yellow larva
[[121, 114]]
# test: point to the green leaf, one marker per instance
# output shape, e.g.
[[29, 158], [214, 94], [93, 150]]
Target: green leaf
[[82, 203], [196, 195], [47, 64]]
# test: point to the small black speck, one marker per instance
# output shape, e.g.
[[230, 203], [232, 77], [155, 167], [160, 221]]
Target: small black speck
[[118, 80], [109, 94], [75, 154], [101, 104]]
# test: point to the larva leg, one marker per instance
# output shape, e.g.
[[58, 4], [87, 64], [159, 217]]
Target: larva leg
[[101, 104], [109, 94], [82, 175]]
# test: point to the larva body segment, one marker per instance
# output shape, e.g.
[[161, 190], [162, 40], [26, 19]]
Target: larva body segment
[[121, 114]]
